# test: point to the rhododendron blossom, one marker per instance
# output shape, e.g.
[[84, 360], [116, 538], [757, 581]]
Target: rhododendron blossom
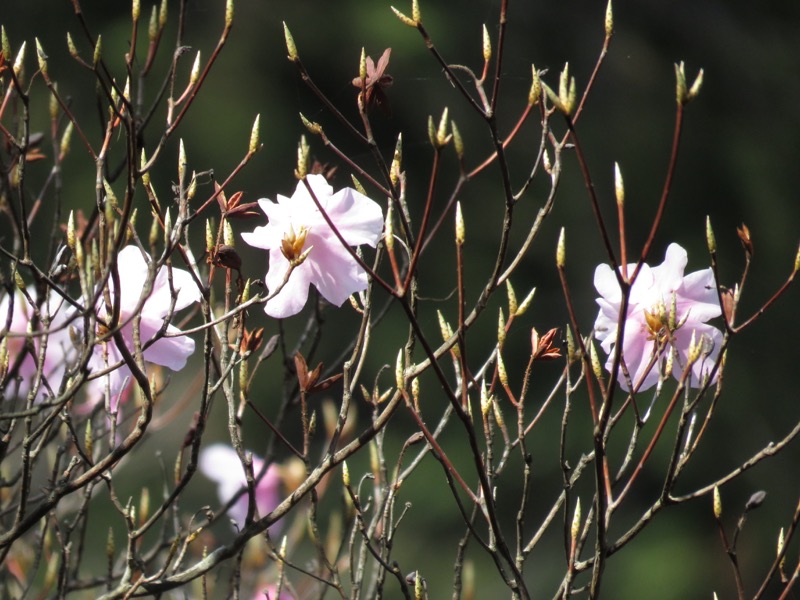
[[221, 464], [59, 351], [666, 311], [296, 227], [172, 352]]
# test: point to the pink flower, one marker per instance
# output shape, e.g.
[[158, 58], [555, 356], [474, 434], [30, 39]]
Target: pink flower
[[172, 352], [666, 309], [296, 226], [221, 464], [59, 351], [268, 593]]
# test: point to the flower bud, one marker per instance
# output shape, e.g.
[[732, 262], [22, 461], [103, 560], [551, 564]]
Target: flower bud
[[71, 231], [535, 93], [595, 359], [162, 15], [512, 299], [73, 51], [460, 231], [5, 45], [228, 14], [694, 90], [313, 127], [561, 251], [194, 75], [487, 44], [98, 50], [66, 140], [406, 20], [135, 10], [498, 414], [619, 186], [181, 162], [227, 234], [302, 158], [415, 14], [399, 371], [501, 329], [711, 240], [526, 303], [575, 529], [680, 83], [458, 142], [41, 57], [442, 138], [290, 46], [357, 184], [152, 28], [88, 438], [345, 474], [255, 136], [502, 374], [362, 65], [717, 503], [609, 22]]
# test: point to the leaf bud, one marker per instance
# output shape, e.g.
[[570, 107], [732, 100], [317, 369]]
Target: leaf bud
[[255, 135], [460, 230], [487, 44], [561, 251], [290, 45], [717, 503]]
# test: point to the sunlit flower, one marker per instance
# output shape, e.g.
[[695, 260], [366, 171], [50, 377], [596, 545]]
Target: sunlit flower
[[296, 228], [221, 464], [666, 309], [15, 322], [169, 352]]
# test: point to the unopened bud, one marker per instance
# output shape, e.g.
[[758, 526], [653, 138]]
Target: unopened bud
[[73, 51], [575, 529], [535, 93], [458, 142], [302, 158], [561, 251], [717, 503], [444, 327], [152, 28], [345, 474], [98, 50], [694, 90], [595, 360], [362, 65], [526, 303], [162, 15], [71, 231], [406, 20], [442, 138], [290, 46], [399, 371], [229, 14], [609, 22], [460, 230], [487, 44], [66, 140], [357, 184], [512, 299], [501, 329], [781, 545], [498, 414], [41, 57], [680, 83], [135, 10], [194, 75], [227, 234], [711, 240], [619, 185], [255, 135], [415, 14], [88, 439], [144, 505], [5, 45], [502, 374], [797, 261]]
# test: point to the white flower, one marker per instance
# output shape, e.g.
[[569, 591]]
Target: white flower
[[296, 226]]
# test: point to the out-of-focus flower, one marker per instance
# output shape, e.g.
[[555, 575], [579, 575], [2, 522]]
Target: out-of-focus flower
[[221, 464], [59, 351], [170, 352], [297, 229], [666, 309]]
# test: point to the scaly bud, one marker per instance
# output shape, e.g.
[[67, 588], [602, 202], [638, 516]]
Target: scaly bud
[[98, 50], [227, 234], [144, 505], [255, 136], [345, 474], [314, 128], [797, 261], [512, 299], [501, 329], [609, 22], [397, 160], [595, 360], [460, 231], [502, 374], [717, 503], [71, 231], [526, 303], [162, 15], [535, 93], [442, 138], [5, 45], [415, 14], [406, 20], [362, 65], [388, 228], [487, 44], [619, 186], [357, 184], [181, 163], [19, 61], [229, 14], [41, 57], [498, 414], [781, 544], [680, 83], [135, 10], [570, 345], [444, 327], [561, 251], [73, 51], [152, 28], [194, 75], [576, 521], [167, 227], [694, 90], [302, 158], [711, 240], [290, 46], [458, 142], [431, 131], [399, 371]]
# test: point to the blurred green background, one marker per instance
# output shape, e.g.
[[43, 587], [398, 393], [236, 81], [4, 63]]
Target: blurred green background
[[738, 163]]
